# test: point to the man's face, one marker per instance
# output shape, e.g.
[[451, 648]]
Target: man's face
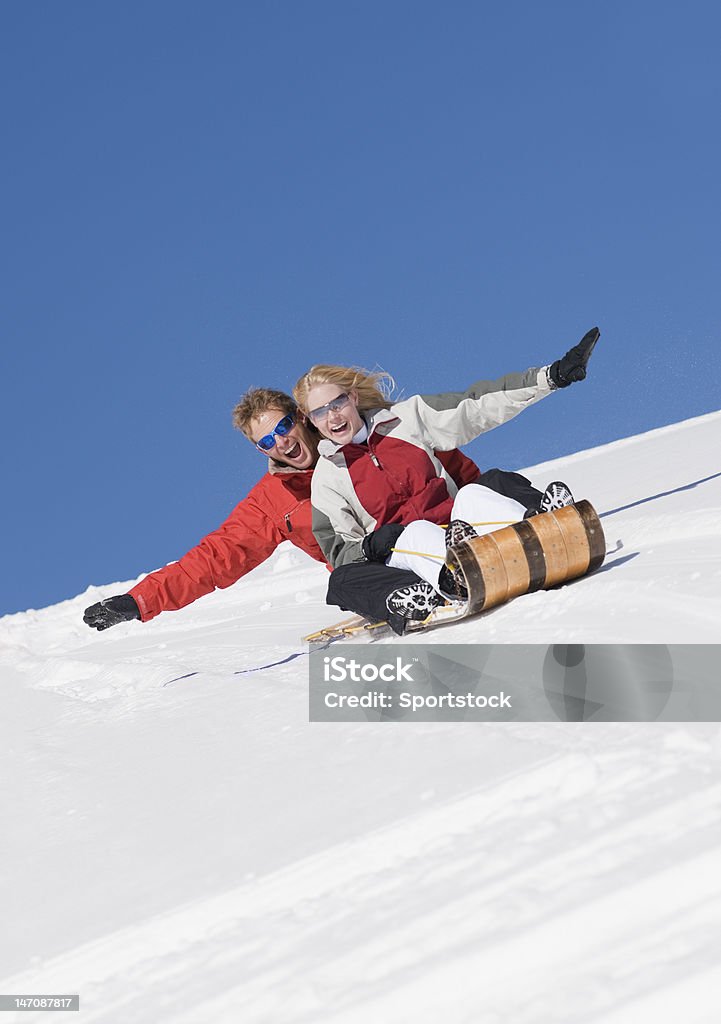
[[298, 448]]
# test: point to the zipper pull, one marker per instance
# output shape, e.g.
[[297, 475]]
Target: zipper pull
[[376, 463], [288, 523]]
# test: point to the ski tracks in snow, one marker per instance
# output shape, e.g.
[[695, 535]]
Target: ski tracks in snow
[[584, 887]]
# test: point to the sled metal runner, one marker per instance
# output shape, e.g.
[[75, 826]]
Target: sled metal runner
[[534, 554]]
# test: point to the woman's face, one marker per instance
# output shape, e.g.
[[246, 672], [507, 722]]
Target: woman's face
[[334, 412]]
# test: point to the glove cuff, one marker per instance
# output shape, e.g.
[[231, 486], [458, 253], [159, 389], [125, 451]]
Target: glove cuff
[[554, 377], [124, 604]]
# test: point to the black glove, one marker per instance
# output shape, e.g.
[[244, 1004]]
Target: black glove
[[111, 611], [573, 365], [377, 546]]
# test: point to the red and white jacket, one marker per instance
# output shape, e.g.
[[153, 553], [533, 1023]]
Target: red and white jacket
[[278, 508], [397, 474]]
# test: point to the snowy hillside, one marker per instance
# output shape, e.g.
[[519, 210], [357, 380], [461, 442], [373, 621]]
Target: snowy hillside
[[199, 852]]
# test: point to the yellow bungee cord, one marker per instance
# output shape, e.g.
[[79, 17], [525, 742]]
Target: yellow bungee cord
[[442, 558]]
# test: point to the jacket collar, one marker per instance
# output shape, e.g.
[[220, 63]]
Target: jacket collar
[[373, 418], [281, 469]]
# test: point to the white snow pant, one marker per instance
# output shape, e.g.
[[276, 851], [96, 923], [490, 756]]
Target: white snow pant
[[422, 545]]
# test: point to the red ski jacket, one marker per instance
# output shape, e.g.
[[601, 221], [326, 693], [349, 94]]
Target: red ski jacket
[[278, 508]]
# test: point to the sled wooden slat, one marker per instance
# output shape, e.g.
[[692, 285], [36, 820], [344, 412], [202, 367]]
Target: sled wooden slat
[[554, 549], [594, 533], [346, 627], [578, 549], [535, 554], [510, 550]]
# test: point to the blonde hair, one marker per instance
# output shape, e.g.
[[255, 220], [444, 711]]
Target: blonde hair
[[373, 387], [255, 402]]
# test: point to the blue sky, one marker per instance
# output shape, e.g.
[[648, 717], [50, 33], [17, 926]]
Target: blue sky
[[202, 197]]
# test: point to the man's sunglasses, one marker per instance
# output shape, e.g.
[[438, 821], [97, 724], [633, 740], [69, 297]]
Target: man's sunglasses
[[282, 427], [321, 413]]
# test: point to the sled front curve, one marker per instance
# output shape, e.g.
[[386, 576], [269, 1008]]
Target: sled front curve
[[535, 554]]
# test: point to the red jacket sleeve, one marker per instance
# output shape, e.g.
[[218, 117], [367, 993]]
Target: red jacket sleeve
[[246, 538]]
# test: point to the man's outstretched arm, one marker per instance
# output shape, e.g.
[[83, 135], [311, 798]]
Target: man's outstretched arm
[[246, 538]]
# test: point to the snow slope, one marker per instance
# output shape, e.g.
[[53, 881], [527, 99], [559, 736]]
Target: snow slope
[[199, 852]]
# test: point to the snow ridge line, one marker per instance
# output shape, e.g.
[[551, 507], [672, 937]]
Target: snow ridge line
[[624, 442]]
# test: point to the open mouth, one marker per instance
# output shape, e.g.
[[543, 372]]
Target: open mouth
[[339, 429], [294, 452]]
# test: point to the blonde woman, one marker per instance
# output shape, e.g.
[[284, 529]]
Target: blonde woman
[[380, 485]]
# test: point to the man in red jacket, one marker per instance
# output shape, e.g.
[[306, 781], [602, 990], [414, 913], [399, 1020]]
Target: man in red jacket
[[278, 508]]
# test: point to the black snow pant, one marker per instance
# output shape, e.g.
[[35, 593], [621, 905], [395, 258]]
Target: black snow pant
[[512, 485], [362, 587]]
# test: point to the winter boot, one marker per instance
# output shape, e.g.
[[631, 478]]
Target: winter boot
[[458, 531], [556, 495], [451, 580], [415, 602]]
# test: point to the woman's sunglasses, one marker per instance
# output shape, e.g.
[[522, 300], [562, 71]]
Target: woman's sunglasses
[[321, 413], [282, 427]]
